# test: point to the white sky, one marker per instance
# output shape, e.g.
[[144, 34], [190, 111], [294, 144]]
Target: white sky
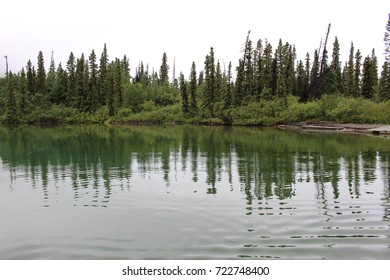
[[144, 29]]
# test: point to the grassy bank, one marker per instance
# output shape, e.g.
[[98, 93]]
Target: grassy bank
[[331, 108]]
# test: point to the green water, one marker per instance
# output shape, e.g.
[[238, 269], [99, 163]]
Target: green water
[[184, 192]]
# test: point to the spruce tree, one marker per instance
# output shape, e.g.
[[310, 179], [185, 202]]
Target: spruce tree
[[218, 82], [60, 89], [71, 85], [109, 90], [11, 110], [227, 97], [209, 87], [201, 78], [314, 72], [51, 76], [266, 73], [349, 77], [357, 73], [247, 86], [281, 83], [87, 98], [367, 89], [164, 70], [374, 74], [193, 87], [239, 89], [102, 80], [41, 74], [93, 83], [125, 69], [258, 71], [306, 79], [387, 41], [335, 69], [30, 78], [184, 95], [384, 83], [24, 95], [301, 84], [118, 84], [80, 90]]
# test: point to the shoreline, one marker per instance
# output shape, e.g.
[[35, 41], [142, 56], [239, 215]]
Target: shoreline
[[375, 129]]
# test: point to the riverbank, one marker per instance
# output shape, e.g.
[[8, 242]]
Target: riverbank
[[328, 113], [350, 127]]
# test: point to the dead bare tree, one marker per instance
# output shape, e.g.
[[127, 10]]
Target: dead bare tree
[[6, 65]]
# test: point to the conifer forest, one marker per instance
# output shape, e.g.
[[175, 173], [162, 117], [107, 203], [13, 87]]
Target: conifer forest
[[269, 85]]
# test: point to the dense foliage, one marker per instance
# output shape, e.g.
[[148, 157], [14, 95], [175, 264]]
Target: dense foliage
[[270, 86]]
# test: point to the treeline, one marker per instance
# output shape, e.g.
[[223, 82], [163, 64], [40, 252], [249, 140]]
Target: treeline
[[270, 85]]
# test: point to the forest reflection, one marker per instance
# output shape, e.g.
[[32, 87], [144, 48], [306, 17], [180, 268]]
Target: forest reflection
[[266, 162]]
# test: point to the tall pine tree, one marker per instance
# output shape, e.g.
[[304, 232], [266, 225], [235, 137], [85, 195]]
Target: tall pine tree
[[102, 80], [184, 95], [41, 74], [164, 70], [357, 73], [193, 88], [71, 85], [209, 87], [349, 75]]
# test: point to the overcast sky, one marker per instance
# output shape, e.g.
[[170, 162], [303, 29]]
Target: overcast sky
[[144, 29]]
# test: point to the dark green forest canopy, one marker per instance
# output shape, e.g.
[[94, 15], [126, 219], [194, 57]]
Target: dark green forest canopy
[[269, 85]]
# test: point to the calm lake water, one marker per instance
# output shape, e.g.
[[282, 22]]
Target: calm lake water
[[183, 192]]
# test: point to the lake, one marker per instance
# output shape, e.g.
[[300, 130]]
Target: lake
[[187, 192]]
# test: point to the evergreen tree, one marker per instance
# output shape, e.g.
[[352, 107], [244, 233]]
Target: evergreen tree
[[301, 83], [71, 85], [86, 102], [184, 95], [218, 82], [118, 84], [374, 70], [281, 83], [91, 99], [336, 85], [349, 77], [275, 77], [367, 90], [209, 88], [109, 90], [387, 41], [30, 78], [24, 95], [193, 87], [290, 69], [306, 80], [357, 73], [227, 96], [164, 70], [80, 85], [384, 83], [126, 69], [102, 80], [313, 85], [11, 110], [51, 76], [60, 89], [247, 86], [267, 73], [239, 90], [201, 78], [258, 71], [286, 72], [41, 74]]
